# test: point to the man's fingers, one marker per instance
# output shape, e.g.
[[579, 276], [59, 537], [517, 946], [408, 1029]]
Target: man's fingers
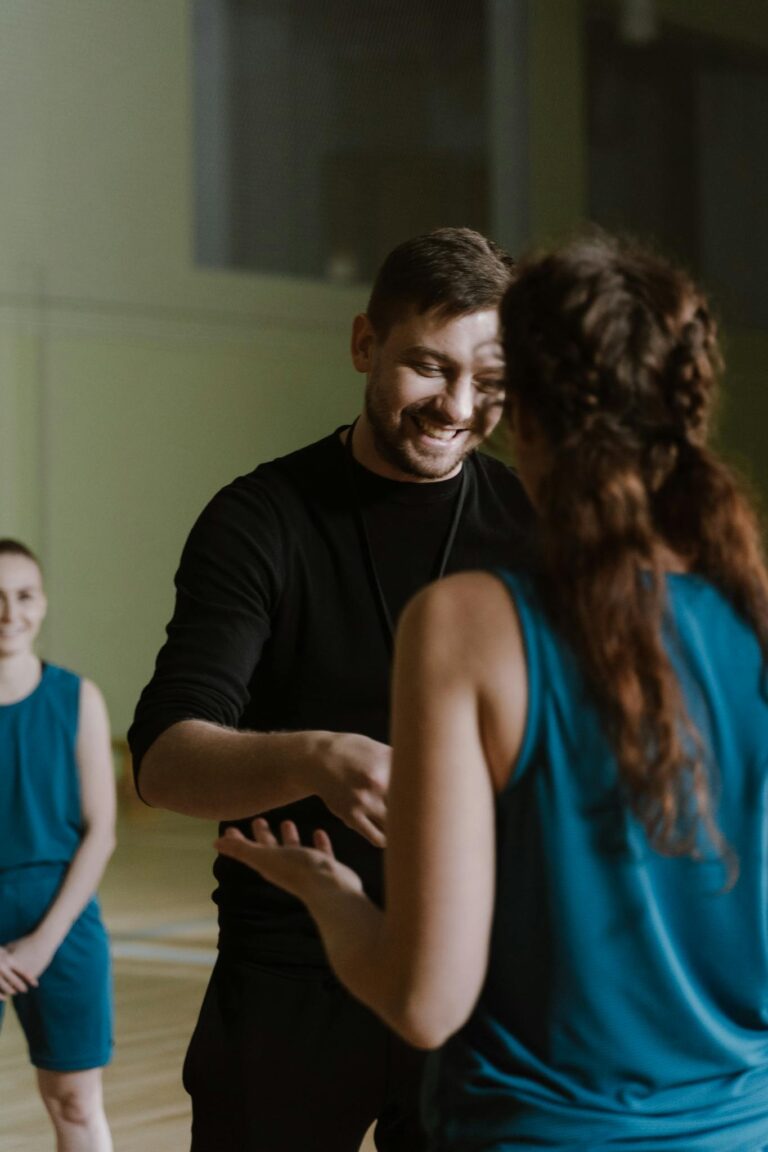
[[376, 810], [365, 826], [380, 779]]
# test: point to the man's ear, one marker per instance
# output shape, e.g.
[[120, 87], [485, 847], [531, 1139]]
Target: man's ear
[[363, 340]]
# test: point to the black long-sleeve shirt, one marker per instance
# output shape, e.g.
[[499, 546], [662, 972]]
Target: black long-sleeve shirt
[[278, 627]]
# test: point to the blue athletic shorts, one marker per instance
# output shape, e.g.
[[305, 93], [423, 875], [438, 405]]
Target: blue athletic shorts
[[67, 1019]]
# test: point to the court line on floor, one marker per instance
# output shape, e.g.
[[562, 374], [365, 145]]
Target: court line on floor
[[173, 930], [164, 954]]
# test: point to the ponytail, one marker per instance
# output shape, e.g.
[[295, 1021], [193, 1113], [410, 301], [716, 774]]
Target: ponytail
[[614, 354], [604, 590]]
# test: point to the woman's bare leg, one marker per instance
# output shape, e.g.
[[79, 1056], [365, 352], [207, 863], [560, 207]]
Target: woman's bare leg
[[76, 1106]]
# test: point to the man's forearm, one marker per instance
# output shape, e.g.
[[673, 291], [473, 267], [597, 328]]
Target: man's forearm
[[200, 769]]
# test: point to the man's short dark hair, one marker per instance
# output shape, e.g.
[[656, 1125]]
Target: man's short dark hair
[[454, 271]]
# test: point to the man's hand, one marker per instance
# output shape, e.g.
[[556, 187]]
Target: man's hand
[[306, 873], [352, 779], [21, 962]]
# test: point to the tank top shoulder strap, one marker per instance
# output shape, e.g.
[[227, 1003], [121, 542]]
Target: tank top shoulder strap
[[62, 688], [529, 614]]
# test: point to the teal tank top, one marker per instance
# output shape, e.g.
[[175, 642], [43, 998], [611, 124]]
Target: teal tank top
[[40, 814], [625, 1005]]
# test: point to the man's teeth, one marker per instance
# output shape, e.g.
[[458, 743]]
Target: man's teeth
[[436, 431]]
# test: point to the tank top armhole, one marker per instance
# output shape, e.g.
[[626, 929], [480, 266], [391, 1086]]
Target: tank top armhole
[[67, 685], [76, 698], [518, 587]]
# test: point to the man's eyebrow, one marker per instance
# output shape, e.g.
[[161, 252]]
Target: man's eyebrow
[[425, 350], [443, 357]]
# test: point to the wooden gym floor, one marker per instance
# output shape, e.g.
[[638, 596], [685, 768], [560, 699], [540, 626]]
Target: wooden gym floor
[[156, 903]]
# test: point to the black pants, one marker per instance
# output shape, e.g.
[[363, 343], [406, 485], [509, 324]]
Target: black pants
[[285, 1060]]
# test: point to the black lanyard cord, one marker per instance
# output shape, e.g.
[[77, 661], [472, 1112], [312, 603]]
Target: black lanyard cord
[[373, 574]]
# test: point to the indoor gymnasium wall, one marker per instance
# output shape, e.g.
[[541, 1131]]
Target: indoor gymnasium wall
[[133, 383]]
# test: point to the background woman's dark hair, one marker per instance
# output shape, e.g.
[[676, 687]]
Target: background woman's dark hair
[[454, 270], [9, 547], [614, 352]]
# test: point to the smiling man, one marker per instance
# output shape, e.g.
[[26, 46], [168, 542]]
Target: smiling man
[[434, 391], [271, 692]]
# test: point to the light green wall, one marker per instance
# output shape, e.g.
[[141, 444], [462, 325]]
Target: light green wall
[[132, 384], [558, 194], [165, 421], [20, 447]]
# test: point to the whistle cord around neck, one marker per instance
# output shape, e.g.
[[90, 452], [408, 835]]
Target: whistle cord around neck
[[365, 540]]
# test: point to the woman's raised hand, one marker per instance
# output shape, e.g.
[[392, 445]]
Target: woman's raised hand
[[306, 873]]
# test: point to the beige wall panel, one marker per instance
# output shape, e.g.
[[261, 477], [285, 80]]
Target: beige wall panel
[[21, 463], [141, 432]]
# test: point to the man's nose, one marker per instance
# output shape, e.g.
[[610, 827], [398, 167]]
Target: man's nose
[[458, 401]]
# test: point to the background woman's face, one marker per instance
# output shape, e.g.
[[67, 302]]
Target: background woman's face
[[22, 604]]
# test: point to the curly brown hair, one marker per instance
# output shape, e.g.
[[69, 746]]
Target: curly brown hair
[[614, 352]]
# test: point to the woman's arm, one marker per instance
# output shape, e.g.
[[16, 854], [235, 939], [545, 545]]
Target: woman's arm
[[420, 965], [32, 954]]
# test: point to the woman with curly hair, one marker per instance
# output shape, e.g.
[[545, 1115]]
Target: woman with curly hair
[[577, 845]]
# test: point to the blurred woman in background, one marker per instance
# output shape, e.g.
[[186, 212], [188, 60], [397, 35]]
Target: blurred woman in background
[[57, 819]]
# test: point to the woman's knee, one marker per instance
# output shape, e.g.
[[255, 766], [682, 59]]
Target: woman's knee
[[72, 1098]]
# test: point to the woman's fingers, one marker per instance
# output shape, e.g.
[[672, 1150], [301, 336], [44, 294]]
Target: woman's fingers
[[234, 844], [11, 983], [262, 833], [322, 842], [232, 834], [231, 844], [290, 834]]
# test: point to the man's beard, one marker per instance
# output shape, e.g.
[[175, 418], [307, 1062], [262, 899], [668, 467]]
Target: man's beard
[[401, 452]]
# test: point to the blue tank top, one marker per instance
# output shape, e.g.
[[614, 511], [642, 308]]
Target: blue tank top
[[40, 814], [626, 1001]]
